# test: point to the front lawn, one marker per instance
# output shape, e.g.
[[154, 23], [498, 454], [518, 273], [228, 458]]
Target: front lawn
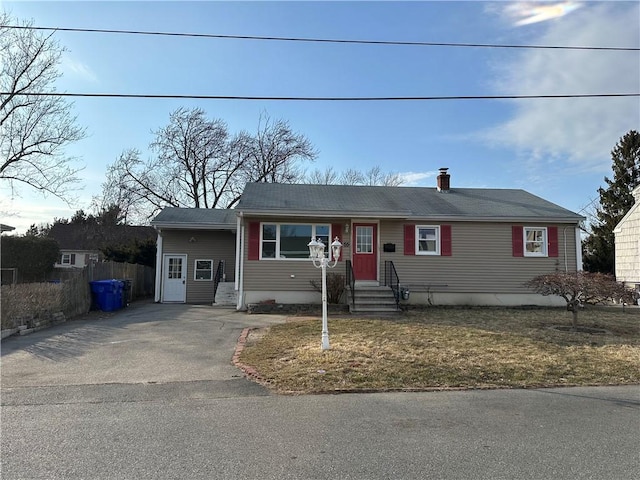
[[442, 348]]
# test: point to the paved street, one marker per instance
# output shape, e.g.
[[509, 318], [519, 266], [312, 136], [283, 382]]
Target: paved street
[[149, 392]]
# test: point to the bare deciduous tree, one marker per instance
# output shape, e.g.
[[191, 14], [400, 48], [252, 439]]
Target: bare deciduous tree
[[120, 189], [197, 163], [579, 288], [328, 176], [34, 130], [275, 152], [372, 177]]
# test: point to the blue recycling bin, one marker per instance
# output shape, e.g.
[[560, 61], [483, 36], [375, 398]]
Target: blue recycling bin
[[107, 294]]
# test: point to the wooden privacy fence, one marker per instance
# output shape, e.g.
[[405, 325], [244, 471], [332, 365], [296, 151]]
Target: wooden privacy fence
[[69, 292], [142, 278]]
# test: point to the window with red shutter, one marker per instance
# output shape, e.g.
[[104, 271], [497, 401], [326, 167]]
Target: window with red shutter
[[517, 240], [553, 241], [445, 240], [254, 241], [409, 239]]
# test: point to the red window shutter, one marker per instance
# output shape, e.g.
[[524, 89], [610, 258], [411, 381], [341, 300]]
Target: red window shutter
[[552, 232], [409, 239], [336, 231], [254, 240], [445, 240], [73, 259], [516, 240]]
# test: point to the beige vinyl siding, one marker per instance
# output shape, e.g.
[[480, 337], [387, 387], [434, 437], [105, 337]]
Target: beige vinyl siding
[[482, 260], [627, 252], [208, 245], [285, 274]]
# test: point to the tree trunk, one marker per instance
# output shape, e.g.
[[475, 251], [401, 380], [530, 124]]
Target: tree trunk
[[574, 317]]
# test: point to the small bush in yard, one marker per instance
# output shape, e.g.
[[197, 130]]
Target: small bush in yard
[[335, 287], [580, 288]]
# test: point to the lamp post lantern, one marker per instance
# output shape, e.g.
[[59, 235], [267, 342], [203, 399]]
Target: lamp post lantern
[[316, 253]]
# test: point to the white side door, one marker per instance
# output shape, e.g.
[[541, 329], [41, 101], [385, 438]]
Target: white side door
[[174, 278]]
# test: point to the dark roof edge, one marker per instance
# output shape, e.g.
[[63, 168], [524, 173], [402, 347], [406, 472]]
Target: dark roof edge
[[408, 217], [327, 213], [194, 226]]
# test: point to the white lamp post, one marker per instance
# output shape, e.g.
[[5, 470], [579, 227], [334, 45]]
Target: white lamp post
[[316, 253]]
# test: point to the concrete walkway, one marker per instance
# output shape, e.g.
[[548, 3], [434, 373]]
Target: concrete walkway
[[146, 344]]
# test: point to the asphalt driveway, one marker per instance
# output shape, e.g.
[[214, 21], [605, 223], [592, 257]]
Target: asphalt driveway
[[142, 352]]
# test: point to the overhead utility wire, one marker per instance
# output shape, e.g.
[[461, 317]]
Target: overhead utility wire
[[319, 99], [322, 40]]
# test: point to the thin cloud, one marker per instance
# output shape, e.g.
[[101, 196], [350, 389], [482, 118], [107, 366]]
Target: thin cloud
[[78, 69], [414, 179], [578, 131], [526, 13]]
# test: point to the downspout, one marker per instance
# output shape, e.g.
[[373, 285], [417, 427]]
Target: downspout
[[158, 286], [578, 250], [240, 260], [237, 266], [564, 241]]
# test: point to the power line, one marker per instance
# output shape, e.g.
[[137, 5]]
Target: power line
[[318, 99], [322, 40]]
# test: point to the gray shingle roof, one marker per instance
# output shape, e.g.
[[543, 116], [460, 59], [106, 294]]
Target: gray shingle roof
[[399, 202], [202, 218]]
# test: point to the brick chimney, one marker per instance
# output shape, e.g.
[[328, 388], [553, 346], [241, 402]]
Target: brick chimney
[[443, 180]]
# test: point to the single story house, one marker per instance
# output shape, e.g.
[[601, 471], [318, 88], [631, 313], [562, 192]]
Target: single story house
[[627, 245], [441, 245]]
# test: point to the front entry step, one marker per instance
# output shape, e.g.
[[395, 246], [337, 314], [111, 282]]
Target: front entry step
[[374, 299], [226, 295]]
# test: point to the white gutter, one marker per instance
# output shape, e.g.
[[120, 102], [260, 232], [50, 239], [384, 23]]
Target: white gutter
[[157, 295], [405, 216]]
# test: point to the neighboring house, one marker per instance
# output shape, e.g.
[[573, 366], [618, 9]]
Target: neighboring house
[[193, 245], [81, 244], [627, 245], [467, 246]]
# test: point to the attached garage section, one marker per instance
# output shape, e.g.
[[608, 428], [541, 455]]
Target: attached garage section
[[194, 245]]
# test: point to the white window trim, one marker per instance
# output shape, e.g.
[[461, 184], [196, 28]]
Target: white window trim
[[277, 240], [545, 242], [195, 270], [68, 256], [417, 241], [373, 239]]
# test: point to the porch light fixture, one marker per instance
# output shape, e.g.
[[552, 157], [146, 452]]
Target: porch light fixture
[[316, 253]]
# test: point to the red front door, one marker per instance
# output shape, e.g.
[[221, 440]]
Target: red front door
[[365, 255]]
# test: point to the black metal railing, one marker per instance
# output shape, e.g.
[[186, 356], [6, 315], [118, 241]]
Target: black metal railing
[[217, 278], [350, 278], [392, 280]]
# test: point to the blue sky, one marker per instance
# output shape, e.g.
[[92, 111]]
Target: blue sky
[[557, 149]]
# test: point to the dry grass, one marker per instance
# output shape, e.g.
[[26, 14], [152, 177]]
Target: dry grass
[[449, 348]]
